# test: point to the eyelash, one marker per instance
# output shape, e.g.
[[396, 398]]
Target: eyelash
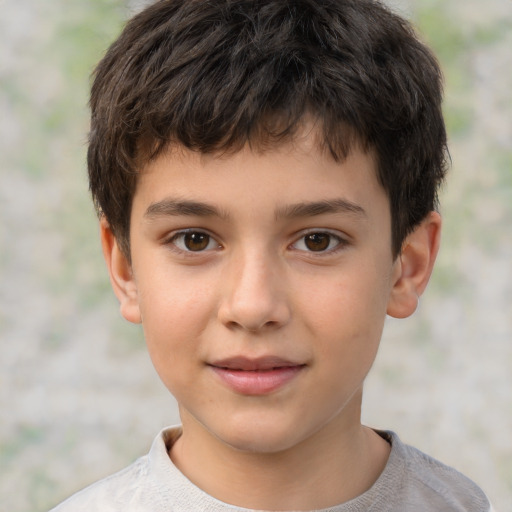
[[341, 242], [174, 239], [178, 238]]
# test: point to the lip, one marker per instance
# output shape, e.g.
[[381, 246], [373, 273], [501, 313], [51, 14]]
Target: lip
[[258, 376]]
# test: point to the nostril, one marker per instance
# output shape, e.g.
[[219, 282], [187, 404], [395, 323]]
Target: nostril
[[253, 323]]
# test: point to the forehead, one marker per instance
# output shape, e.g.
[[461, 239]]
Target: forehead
[[280, 180]]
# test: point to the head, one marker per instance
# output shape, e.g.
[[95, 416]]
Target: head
[[259, 165], [214, 77]]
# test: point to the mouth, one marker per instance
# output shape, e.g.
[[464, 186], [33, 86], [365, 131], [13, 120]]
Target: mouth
[[255, 377], [262, 364]]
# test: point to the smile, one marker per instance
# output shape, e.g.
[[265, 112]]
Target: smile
[[256, 376]]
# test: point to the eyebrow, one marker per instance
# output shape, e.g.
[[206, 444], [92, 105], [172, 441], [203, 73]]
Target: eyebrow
[[177, 207], [305, 209]]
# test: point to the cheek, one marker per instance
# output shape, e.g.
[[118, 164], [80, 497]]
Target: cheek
[[347, 318], [173, 318], [168, 297], [347, 300]]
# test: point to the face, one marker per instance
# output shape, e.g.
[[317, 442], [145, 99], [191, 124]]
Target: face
[[262, 282]]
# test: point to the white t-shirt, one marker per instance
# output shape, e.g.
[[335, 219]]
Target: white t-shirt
[[411, 481]]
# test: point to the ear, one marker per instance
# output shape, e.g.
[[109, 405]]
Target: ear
[[413, 266], [121, 275]]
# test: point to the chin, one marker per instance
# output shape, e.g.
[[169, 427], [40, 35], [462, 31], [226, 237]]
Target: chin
[[260, 437]]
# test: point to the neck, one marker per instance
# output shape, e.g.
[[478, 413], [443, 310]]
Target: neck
[[334, 465]]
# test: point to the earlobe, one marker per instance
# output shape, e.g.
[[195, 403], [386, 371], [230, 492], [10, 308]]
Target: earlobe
[[414, 265], [121, 275]]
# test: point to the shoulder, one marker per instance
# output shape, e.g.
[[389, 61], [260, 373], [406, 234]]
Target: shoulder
[[108, 494], [424, 480], [134, 488]]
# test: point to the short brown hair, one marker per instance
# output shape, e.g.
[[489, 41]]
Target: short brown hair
[[215, 75]]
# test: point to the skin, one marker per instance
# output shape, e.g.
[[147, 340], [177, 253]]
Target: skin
[[254, 287]]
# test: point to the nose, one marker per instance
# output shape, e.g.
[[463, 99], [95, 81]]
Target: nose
[[254, 297]]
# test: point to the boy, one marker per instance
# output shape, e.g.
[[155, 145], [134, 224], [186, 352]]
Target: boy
[[266, 174]]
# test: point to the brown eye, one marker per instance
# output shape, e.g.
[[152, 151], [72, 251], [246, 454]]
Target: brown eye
[[321, 242], [317, 241], [196, 241]]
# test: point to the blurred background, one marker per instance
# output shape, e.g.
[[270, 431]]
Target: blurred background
[[78, 396]]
